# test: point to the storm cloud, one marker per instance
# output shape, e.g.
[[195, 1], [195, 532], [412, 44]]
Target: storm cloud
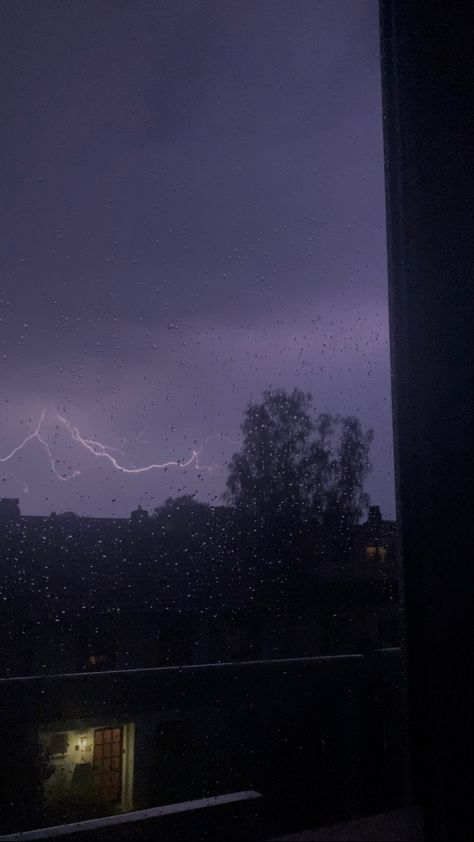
[[192, 211]]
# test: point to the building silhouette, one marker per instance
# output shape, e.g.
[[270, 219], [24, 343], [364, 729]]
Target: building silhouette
[[185, 586]]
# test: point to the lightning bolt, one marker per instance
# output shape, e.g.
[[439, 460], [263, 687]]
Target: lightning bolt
[[104, 447], [100, 450], [36, 434], [24, 485], [140, 437]]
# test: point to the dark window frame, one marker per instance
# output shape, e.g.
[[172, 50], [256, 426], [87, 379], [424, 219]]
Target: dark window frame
[[426, 59]]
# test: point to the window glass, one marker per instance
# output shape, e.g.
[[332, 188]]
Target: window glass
[[196, 435]]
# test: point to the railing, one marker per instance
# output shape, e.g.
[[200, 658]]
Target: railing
[[319, 739]]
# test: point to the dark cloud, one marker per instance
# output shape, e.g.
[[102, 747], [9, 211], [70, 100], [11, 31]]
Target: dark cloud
[[192, 210]]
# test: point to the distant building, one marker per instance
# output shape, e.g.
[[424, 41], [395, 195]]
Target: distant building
[[185, 585], [9, 509], [375, 548]]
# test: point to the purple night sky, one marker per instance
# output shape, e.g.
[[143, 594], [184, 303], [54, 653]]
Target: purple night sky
[[192, 211]]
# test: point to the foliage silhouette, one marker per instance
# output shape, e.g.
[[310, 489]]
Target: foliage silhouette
[[298, 467]]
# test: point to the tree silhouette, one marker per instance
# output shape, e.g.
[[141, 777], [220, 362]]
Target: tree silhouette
[[297, 467], [183, 502], [183, 512]]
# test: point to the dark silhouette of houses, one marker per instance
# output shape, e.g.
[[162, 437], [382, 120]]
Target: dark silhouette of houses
[[187, 584]]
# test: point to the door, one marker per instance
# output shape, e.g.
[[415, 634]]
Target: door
[[108, 763]]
